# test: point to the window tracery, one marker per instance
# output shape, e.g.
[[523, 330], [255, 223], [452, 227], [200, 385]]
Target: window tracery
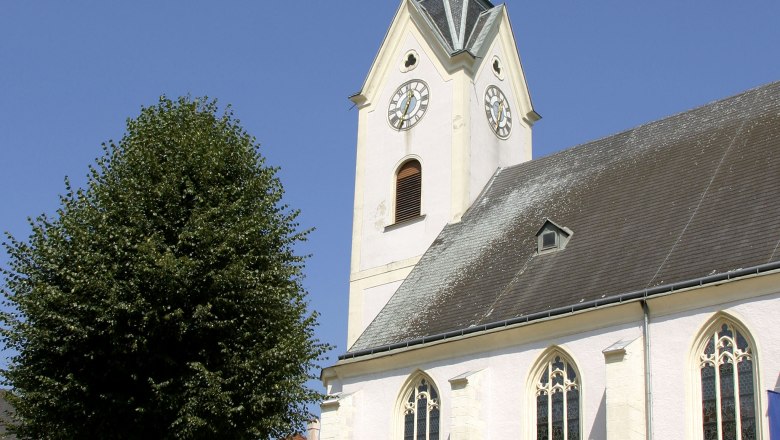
[[421, 412], [726, 367], [558, 400]]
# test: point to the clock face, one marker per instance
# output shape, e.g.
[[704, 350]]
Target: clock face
[[408, 104], [498, 113]]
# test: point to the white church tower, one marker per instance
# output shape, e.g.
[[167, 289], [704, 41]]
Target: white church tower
[[444, 105], [568, 329]]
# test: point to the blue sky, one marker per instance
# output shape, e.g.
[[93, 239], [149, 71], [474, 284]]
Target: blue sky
[[72, 72]]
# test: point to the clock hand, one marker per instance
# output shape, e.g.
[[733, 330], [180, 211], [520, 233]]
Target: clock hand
[[406, 109], [500, 115]]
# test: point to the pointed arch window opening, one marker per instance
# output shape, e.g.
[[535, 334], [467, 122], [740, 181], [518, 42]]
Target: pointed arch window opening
[[408, 191], [421, 412], [558, 401], [726, 366]]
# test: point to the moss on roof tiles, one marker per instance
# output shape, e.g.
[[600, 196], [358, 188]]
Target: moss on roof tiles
[[688, 196]]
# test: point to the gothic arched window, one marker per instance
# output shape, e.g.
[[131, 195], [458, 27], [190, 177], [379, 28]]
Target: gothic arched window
[[408, 191], [420, 409], [557, 399], [727, 370]]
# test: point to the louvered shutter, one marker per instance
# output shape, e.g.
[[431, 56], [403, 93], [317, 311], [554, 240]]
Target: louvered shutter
[[408, 191]]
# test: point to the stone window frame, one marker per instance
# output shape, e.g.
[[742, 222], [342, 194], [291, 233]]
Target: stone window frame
[[535, 387], [697, 360], [408, 191], [433, 401]]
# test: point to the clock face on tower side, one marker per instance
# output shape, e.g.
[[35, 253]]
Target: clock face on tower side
[[498, 113], [408, 104]]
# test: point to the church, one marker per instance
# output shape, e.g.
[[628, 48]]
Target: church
[[627, 288]]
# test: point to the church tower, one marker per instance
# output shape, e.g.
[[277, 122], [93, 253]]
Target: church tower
[[445, 104]]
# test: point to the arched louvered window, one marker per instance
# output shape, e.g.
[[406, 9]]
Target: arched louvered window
[[408, 191], [727, 370], [421, 411], [557, 400]]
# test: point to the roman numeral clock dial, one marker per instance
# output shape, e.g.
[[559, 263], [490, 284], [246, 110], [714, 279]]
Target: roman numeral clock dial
[[498, 113], [408, 104]]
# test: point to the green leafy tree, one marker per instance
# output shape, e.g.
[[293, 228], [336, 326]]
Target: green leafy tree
[[165, 299]]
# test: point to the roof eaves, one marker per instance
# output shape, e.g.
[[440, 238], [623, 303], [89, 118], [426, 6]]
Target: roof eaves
[[773, 267]]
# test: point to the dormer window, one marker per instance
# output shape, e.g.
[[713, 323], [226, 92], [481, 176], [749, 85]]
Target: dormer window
[[551, 237], [549, 240]]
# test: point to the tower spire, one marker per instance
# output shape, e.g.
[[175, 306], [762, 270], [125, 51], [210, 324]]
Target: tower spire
[[459, 23]]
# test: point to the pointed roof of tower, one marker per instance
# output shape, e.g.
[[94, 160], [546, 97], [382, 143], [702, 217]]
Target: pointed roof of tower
[[461, 25], [459, 34]]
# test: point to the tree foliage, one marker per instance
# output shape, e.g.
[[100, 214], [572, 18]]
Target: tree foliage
[[165, 299]]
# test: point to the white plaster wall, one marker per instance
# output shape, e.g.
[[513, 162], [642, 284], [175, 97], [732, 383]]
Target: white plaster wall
[[625, 391], [674, 380], [458, 152], [467, 421], [488, 152], [676, 324], [377, 249], [505, 398], [386, 148], [454, 170]]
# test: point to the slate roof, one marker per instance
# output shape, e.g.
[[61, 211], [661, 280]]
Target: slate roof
[[460, 24], [689, 196]]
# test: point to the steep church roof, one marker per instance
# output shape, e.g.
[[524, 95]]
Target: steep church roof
[[695, 196], [460, 24]]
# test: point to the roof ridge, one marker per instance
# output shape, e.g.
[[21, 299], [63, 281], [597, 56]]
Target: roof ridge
[[652, 122]]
